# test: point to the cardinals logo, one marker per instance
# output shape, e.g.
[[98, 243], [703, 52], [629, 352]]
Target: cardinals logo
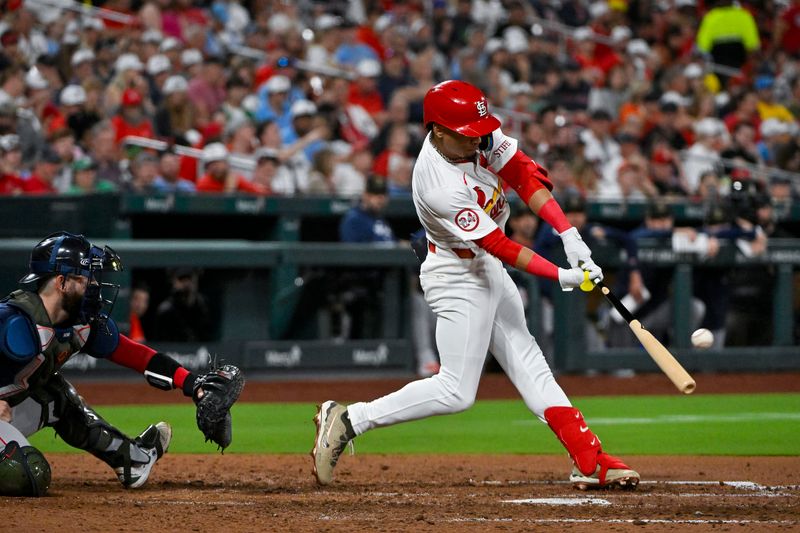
[[482, 109], [493, 206]]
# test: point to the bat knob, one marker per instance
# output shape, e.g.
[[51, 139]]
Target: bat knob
[[587, 285]]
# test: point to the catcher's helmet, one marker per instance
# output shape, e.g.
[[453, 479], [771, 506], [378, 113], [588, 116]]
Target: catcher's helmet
[[459, 106], [69, 254]]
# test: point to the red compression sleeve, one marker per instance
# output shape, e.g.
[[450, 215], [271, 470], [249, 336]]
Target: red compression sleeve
[[507, 251], [139, 357], [131, 354], [551, 213], [525, 176]]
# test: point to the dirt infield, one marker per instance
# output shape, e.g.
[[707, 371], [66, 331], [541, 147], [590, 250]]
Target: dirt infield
[[418, 493], [413, 493]]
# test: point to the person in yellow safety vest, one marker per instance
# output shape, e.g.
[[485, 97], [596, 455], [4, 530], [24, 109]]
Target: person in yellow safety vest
[[728, 32]]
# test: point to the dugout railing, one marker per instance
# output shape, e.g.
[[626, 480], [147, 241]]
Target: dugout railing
[[255, 290]]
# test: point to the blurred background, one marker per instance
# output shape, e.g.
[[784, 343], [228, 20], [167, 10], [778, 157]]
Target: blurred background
[[251, 163]]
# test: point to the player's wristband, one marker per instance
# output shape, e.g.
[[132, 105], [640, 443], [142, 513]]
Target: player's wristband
[[188, 384], [552, 213], [165, 373]]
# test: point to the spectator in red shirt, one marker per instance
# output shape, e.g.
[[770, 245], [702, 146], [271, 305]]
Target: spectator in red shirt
[[594, 64], [364, 90], [787, 30], [220, 178], [44, 173], [131, 120], [745, 110], [10, 161]]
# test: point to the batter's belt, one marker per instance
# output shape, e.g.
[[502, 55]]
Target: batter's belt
[[463, 253]]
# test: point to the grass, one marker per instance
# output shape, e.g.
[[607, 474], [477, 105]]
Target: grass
[[763, 424]]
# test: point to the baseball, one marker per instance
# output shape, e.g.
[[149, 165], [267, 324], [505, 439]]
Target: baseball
[[702, 338]]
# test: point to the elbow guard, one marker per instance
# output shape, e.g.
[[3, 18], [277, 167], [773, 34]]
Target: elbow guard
[[103, 339], [525, 176]]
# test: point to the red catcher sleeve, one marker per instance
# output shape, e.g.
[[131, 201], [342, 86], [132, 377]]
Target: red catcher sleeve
[[132, 355], [524, 175], [146, 360], [507, 251]]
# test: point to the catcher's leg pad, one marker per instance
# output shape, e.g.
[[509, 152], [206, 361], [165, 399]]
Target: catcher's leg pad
[[582, 445], [81, 427], [24, 471]]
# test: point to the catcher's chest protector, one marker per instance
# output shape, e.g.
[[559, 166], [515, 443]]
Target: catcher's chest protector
[[56, 345]]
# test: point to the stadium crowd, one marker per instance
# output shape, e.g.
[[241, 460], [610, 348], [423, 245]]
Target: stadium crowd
[[625, 100]]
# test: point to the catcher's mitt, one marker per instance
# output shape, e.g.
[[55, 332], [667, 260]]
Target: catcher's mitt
[[221, 388]]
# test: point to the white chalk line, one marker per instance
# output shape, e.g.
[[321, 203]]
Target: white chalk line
[[742, 485], [624, 521], [191, 503], [678, 419], [559, 501]]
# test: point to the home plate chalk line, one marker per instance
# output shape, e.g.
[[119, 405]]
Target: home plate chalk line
[[742, 485], [560, 501], [637, 521], [754, 490]]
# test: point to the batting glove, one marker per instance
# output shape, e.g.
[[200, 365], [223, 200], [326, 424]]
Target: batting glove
[[578, 254], [595, 272], [569, 278], [574, 247]]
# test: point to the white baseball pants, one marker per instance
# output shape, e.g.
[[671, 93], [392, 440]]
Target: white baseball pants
[[478, 309]]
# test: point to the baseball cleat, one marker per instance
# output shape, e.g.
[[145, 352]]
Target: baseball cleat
[[610, 473], [333, 435], [145, 450]]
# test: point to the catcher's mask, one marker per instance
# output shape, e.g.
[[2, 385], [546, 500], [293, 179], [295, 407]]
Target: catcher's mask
[[69, 254]]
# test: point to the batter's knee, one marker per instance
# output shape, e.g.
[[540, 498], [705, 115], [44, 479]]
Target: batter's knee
[[455, 399]]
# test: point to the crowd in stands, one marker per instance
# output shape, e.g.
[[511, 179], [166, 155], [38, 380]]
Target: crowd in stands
[[619, 99]]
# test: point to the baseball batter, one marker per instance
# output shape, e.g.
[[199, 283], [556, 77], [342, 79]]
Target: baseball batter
[[458, 184]]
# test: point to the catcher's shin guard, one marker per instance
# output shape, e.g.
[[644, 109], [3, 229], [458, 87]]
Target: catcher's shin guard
[[593, 467], [81, 427]]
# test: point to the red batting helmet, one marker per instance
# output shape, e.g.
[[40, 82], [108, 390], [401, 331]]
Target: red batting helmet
[[460, 107]]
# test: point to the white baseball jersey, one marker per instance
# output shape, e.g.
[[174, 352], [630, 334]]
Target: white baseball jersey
[[458, 203], [478, 308]]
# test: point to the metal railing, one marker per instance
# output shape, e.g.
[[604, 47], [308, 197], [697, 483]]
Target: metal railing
[[242, 162], [90, 11]]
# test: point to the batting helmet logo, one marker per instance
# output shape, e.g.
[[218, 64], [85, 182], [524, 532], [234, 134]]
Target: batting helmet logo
[[482, 109], [467, 219]]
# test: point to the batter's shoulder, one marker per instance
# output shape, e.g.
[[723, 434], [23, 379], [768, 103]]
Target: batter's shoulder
[[433, 175]]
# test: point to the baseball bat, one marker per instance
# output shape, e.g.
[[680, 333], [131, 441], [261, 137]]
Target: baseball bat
[[663, 358]]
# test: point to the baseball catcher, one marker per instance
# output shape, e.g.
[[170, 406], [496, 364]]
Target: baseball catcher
[[62, 309]]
